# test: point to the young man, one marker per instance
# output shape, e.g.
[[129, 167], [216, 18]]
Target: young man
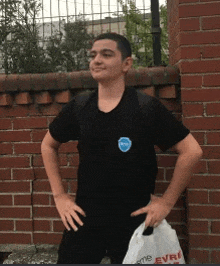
[[117, 129]]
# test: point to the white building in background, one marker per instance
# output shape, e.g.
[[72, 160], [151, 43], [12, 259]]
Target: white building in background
[[96, 26], [49, 28]]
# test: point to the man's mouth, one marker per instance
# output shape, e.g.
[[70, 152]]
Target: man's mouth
[[97, 69]]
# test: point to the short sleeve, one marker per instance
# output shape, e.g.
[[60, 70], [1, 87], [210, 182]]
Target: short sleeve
[[65, 126], [167, 129]]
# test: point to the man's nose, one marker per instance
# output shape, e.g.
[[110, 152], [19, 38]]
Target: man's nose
[[98, 58]]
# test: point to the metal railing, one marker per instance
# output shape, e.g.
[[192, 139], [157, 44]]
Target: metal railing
[[45, 33]]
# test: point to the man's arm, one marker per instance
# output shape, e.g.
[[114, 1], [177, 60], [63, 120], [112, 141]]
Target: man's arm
[[189, 154], [64, 202], [49, 150]]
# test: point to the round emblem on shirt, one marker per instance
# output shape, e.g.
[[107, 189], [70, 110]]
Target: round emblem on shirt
[[124, 144]]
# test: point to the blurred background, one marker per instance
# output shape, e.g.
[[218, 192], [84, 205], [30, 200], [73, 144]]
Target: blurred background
[[41, 36]]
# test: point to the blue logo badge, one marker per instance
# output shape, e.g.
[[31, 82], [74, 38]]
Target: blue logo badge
[[124, 144]]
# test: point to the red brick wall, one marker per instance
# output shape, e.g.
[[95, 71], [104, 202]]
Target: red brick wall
[[28, 103], [194, 28]]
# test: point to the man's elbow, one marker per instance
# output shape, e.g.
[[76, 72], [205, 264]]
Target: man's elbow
[[195, 153], [44, 144], [199, 153], [44, 147], [189, 147]]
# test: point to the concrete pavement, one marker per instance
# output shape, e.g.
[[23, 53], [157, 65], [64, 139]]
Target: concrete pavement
[[34, 254]]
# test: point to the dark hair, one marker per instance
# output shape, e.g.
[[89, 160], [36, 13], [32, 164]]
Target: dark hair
[[123, 44]]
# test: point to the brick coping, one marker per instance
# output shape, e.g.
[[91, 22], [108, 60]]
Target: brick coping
[[145, 76]]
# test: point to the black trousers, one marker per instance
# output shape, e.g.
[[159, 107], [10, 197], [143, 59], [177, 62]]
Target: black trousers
[[91, 243]]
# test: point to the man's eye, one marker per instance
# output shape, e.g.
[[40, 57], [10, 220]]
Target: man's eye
[[91, 56]]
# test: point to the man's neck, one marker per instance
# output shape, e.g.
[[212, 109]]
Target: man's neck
[[111, 90]]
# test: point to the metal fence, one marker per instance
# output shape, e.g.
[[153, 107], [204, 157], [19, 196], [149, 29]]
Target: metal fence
[[100, 15], [29, 28]]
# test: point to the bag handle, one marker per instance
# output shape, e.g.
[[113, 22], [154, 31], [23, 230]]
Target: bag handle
[[140, 230]]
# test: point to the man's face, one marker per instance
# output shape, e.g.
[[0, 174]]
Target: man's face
[[106, 61]]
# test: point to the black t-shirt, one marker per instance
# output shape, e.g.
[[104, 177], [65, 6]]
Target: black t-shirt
[[117, 160]]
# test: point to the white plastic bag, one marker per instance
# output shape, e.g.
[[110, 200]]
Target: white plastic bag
[[161, 247]]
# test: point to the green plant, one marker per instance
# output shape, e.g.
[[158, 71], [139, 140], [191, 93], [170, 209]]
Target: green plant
[[20, 44], [68, 50], [138, 32]]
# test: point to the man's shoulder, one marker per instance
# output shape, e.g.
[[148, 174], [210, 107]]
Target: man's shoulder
[[145, 99], [82, 97], [78, 100], [85, 93]]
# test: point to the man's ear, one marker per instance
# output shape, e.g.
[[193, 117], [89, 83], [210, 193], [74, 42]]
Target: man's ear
[[127, 64]]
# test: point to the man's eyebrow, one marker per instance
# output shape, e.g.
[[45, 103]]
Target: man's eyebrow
[[103, 50]]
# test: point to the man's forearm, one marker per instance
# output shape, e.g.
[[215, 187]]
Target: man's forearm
[[181, 177], [51, 163]]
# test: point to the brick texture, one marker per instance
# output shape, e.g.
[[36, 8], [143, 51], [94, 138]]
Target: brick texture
[[43, 98], [63, 97], [5, 100], [215, 257], [211, 51], [15, 238], [23, 98], [197, 46]]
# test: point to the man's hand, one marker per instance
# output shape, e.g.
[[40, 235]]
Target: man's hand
[[156, 210], [68, 209]]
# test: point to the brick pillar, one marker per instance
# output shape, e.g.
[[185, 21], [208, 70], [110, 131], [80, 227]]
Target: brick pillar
[[194, 38]]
